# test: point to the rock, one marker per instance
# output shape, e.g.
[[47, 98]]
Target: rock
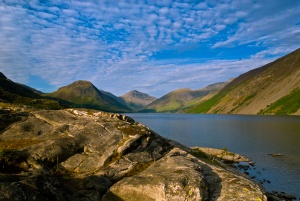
[[170, 178], [275, 155], [181, 176], [279, 196], [90, 155], [223, 155], [242, 166], [39, 187]]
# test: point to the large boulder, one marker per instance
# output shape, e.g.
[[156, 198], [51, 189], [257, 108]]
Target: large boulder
[[181, 176]]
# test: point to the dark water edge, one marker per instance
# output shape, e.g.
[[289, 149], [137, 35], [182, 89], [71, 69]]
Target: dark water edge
[[253, 136]]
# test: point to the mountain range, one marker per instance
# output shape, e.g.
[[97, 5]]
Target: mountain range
[[271, 89], [183, 98]]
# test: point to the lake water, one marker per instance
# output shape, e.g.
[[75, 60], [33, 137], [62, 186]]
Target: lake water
[[249, 135]]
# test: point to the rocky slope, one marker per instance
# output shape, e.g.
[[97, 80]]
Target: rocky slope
[[136, 100], [85, 94], [270, 89], [183, 98], [90, 155]]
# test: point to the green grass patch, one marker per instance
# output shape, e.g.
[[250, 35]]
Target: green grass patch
[[199, 154], [288, 104], [205, 106], [172, 106]]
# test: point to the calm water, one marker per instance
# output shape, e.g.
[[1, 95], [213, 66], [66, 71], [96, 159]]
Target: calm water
[[252, 136]]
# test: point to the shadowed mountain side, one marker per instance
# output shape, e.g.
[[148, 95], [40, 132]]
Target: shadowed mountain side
[[119, 99], [136, 100], [85, 94], [15, 93], [264, 90]]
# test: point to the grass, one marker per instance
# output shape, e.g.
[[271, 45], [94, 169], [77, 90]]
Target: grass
[[288, 104], [199, 154], [171, 106], [205, 106]]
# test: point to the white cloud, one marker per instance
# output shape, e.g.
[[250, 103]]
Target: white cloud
[[270, 25], [112, 43]]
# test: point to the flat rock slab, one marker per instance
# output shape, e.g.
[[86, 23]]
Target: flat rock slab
[[223, 155]]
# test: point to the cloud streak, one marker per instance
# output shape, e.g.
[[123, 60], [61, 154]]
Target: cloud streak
[[122, 45]]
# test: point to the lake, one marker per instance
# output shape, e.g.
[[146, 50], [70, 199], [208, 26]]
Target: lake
[[250, 135]]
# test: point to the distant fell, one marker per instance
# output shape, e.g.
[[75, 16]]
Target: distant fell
[[85, 94], [177, 100], [136, 100], [270, 89]]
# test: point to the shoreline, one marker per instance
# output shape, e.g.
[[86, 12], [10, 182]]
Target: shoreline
[[235, 162]]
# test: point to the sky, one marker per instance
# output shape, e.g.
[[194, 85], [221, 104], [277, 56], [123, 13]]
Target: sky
[[153, 46]]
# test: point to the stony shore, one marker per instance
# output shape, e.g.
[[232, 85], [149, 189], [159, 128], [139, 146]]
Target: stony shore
[[91, 155]]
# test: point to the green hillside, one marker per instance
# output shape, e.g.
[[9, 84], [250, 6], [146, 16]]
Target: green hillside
[[265, 90]]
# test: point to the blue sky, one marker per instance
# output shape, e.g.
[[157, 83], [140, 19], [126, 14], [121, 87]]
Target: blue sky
[[148, 45]]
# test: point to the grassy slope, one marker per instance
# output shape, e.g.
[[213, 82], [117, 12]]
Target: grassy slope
[[170, 101], [205, 106], [288, 104]]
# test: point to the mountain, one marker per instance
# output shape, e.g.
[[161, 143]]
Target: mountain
[[15, 93], [271, 89], [181, 98], [85, 94], [32, 89], [136, 100], [2, 76], [119, 99]]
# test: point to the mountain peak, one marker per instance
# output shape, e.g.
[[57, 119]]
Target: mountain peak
[[2, 76], [85, 94], [136, 93], [137, 100], [182, 90], [82, 82]]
